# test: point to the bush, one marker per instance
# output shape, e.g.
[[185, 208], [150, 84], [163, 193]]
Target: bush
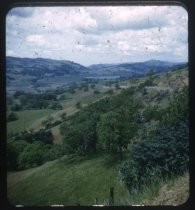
[[53, 152], [55, 106], [14, 148], [44, 136], [167, 154], [31, 156], [151, 112], [12, 117], [96, 92], [16, 107], [178, 108], [78, 105]]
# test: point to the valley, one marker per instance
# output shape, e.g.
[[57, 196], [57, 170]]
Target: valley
[[62, 148]]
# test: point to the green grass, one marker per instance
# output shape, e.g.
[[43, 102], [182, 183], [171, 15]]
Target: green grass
[[26, 119], [69, 181]]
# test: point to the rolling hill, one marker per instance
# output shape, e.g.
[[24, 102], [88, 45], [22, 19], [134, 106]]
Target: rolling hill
[[32, 75], [137, 69], [29, 74]]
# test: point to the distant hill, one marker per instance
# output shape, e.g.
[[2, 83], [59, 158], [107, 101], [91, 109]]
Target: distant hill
[[137, 69], [40, 67], [32, 74], [28, 73]]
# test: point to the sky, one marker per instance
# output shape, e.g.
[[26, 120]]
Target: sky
[[101, 34]]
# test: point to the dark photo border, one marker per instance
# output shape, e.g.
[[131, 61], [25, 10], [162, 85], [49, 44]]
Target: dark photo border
[[6, 5]]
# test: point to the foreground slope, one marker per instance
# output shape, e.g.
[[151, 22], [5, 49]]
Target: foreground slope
[[76, 181], [68, 181]]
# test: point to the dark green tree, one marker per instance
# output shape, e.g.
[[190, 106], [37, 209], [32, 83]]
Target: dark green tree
[[96, 92], [31, 156], [166, 154], [12, 117], [114, 132], [14, 148], [78, 105]]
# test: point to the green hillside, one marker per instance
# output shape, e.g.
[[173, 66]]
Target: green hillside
[[131, 135], [68, 181], [73, 181]]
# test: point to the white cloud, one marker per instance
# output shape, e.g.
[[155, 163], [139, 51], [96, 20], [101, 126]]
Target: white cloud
[[36, 39], [99, 34]]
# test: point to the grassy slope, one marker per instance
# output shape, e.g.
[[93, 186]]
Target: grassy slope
[[71, 182], [26, 119], [31, 119], [68, 181]]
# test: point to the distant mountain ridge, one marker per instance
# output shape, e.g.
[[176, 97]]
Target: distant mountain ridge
[[136, 68], [31, 73], [43, 65]]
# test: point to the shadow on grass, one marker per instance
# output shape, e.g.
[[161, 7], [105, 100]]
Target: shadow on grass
[[76, 159]]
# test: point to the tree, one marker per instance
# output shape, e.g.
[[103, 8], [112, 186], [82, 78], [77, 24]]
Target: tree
[[32, 155], [78, 105], [92, 86], [96, 92], [114, 132], [63, 116], [117, 86], [150, 73], [81, 138], [14, 148], [16, 107], [86, 88], [12, 117], [43, 135], [166, 154], [110, 92]]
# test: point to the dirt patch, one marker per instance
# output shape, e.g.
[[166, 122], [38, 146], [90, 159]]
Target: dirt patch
[[56, 135], [176, 194]]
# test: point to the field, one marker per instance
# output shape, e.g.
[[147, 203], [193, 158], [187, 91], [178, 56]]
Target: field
[[28, 119]]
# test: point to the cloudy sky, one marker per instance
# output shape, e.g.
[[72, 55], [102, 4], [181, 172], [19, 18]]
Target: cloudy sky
[[88, 35]]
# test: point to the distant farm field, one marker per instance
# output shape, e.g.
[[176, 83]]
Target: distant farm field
[[26, 119]]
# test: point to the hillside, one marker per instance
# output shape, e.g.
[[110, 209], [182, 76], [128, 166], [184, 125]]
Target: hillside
[[40, 74], [29, 74], [78, 175], [139, 69], [73, 181], [67, 181]]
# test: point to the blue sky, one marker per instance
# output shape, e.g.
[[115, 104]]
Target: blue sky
[[91, 35]]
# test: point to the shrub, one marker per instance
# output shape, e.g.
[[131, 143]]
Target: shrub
[[12, 117], [31, 156], [53, 152], [96, 92], [14, 148], [166, 154], [16, 107], [151, 112], [78, 105]]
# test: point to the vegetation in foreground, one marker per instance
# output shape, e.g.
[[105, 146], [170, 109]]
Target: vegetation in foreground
[[150, 140], [86, 181]]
